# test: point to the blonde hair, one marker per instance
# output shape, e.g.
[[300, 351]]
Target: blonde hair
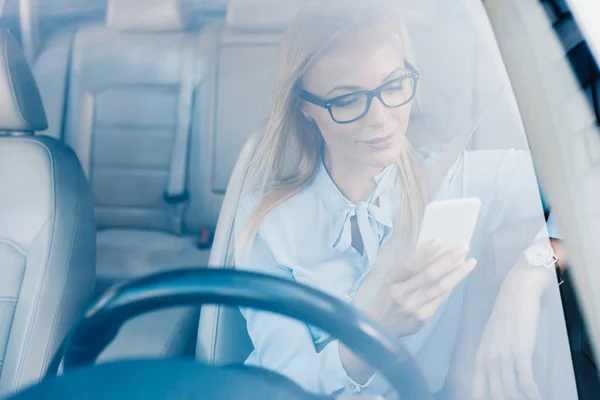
[[317, 27]]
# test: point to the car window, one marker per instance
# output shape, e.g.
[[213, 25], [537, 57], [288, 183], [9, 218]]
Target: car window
[[331, 146], [562, 116]]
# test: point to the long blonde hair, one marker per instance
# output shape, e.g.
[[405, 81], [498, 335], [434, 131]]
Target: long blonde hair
[[288, 156]]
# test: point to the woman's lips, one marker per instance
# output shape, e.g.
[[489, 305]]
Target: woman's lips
[[382, 142]]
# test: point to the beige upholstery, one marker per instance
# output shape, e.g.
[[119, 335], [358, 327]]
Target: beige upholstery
[[239, 104], [261, 15], [47, 234], [150, 15], [123, 109]]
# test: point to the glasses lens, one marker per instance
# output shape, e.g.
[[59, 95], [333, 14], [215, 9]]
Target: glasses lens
[[398, 92], [348, 108]]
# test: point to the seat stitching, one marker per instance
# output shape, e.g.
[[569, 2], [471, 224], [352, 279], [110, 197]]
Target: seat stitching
[[68, 274], [15, 245], [29, 328]]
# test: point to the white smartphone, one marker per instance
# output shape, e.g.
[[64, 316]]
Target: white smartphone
[[453, 221]]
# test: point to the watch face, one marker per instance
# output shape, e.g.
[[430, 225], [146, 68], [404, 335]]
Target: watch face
[[539, 255]]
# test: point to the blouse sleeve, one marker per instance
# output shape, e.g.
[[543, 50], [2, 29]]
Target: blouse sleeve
[[282, 344]]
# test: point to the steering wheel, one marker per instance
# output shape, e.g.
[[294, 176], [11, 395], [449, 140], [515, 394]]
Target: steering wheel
[[180, 378]]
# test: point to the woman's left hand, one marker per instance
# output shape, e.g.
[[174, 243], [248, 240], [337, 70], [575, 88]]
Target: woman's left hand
[[504, 359]]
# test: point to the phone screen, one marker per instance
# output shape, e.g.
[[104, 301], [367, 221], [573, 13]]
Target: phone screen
[[452, 221]]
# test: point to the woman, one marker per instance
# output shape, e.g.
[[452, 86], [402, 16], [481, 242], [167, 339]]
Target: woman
[[346, 89]]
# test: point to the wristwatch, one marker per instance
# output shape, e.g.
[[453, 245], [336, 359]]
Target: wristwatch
[[542, 255]]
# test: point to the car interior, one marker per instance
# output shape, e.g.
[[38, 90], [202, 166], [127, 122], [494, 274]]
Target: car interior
[[120, 159], [47, 240]]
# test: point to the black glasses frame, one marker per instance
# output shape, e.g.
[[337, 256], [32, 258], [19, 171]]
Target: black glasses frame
[[413, 74]]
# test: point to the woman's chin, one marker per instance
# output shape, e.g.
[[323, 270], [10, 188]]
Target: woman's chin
[[384, 157]]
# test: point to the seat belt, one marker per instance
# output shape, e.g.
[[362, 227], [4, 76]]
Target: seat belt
[[176, 195], [437, 172]]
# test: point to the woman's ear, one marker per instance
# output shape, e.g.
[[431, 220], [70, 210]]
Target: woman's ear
[[304, 111]]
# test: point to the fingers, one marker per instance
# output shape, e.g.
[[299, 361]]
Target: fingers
[[422, 310], [499, 376], [429, 248], [502, 378], [509, 378], [496, 376], [448, 282], [526, 379], [423, 303], [423, 255], [502, 381], [438, 279], [442, 265], [495, 382], [437, 292]]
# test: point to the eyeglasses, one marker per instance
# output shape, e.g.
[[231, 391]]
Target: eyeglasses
[[353, 106]]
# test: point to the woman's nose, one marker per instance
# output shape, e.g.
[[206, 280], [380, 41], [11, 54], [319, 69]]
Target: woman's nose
[[377, 114]]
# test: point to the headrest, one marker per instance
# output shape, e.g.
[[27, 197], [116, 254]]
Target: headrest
[[261, 15], [145, 15], [21, 107]]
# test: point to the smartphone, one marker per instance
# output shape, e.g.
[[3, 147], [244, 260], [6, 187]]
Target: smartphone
[[453, 221]]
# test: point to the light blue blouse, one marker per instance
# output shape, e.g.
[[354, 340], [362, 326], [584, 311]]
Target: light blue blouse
[[308, 240]]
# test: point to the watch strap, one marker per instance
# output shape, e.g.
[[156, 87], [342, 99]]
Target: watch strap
[[559, 274]]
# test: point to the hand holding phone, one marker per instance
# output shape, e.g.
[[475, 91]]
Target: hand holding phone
[[411, 292]]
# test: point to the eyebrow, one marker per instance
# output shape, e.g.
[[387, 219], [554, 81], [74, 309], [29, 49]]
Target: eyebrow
[[343, 87], [354, 87], [393, 73]]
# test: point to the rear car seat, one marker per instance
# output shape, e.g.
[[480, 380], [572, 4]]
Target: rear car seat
[[248, 46], [47, 235], [134, 92], [129, 114], [131, 90]]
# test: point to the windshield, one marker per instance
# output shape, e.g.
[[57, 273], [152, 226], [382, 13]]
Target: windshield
[[431, 163]]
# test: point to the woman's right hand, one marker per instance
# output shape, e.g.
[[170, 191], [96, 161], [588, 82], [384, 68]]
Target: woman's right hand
[[403, 298], [410, 294]]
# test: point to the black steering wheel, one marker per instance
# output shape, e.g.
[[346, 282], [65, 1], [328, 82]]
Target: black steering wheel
[[187, 379]]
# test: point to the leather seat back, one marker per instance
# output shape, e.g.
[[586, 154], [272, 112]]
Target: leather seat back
[[240, 103], [47, 230], [124, 107]]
